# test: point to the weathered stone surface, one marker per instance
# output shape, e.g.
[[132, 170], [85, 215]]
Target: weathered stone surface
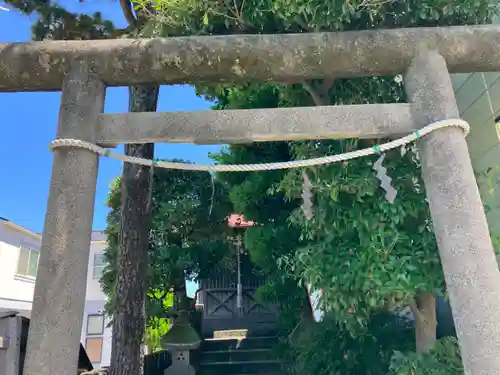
[[258, 125], [469, 264], [179, 368], [40, 66], [59, 297]]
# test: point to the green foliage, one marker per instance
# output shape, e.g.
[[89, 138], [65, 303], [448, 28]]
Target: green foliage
[[195, 17], [55, 22], [490, 177], [326, 348], [366, 253], [443, 359], [273, 237], [157, 326], [187, 237]]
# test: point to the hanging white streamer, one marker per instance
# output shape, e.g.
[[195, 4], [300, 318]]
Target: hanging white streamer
[[385, 180], [307, 196]]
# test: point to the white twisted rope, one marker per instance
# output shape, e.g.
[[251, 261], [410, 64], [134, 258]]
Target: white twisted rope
[[265, 166]]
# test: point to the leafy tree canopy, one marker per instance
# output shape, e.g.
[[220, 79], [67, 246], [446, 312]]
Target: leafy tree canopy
[[55, 22], [325, 348], [188, 236]]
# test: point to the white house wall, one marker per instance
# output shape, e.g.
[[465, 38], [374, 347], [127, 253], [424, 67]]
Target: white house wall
[[94, 291], [16, 292]]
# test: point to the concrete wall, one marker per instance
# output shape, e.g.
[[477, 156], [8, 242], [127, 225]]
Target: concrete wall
[[478, 99]]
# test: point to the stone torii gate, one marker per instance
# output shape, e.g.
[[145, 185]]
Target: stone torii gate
[[425, 56]]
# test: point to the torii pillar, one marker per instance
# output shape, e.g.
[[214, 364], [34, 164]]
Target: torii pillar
[[465, 247], [59, 298]]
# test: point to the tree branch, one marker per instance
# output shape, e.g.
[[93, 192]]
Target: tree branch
[[128, 13]]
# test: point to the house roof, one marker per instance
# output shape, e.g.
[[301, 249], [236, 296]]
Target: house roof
[[97, 235]]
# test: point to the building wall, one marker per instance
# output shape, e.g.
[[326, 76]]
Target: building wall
[[94, 291], [95, 302], [478, 99], [16, 291], [97, 308]]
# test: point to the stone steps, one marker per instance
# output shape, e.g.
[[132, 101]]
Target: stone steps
[[236, 355], [239, 367], [265, 342], [251, 355]]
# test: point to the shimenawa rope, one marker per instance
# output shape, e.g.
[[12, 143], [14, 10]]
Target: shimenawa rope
[[75, 143]]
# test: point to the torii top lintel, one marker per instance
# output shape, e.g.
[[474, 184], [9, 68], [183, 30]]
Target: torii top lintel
[[41, 66]]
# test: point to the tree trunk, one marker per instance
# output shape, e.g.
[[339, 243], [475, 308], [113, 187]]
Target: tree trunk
[[131, 280], [425, 321]]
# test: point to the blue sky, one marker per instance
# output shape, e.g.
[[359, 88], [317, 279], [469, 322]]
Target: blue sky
[[28, 124]]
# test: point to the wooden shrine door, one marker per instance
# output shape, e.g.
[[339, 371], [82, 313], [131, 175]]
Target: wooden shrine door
[[219, 298]]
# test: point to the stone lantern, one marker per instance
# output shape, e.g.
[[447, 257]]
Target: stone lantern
[[179, 341]]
